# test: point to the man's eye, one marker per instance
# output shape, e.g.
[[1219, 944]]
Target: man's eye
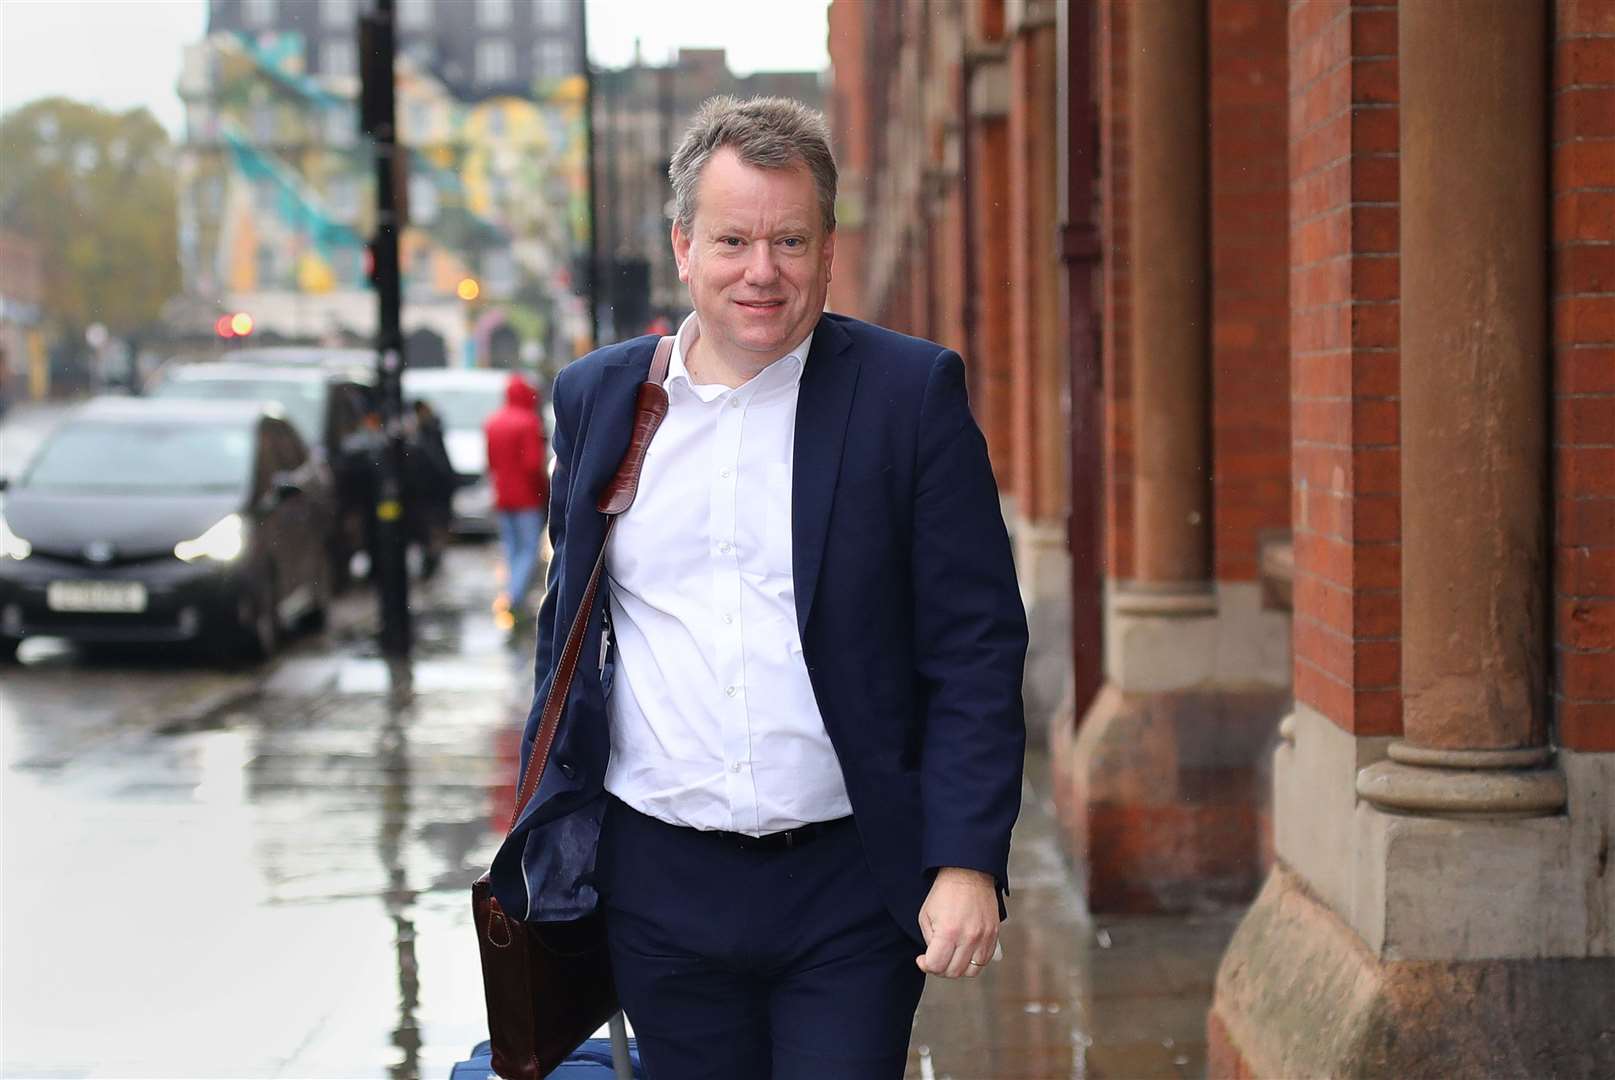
[[792, 242], [730, 241]]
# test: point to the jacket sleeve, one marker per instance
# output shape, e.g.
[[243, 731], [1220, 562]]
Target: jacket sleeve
[[970, 639], [548, 614]]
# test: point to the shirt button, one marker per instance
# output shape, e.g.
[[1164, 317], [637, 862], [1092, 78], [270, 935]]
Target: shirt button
[[734, 403], [735, 767], [730, 690], [725, 472], [728, 619], [724, 547]]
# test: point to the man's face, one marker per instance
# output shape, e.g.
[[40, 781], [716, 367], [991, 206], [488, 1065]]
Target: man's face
[[756, 259]]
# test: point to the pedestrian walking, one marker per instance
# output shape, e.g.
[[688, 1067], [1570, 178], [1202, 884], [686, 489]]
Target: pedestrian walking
[[791, 757], [429, 480], [516, 467]]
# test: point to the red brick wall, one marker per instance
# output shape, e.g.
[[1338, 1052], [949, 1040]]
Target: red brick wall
[[989, 362], [1344, 362], [848, 113], [1250, 348], [1034, 303], [1116, 354], [1583, 292]]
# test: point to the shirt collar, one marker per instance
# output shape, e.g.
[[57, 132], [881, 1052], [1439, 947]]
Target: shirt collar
[[786, 370]]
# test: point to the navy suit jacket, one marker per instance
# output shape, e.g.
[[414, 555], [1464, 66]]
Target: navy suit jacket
[[911, 621]]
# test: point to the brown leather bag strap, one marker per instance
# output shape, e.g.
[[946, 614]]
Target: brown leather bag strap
[[617, 498]]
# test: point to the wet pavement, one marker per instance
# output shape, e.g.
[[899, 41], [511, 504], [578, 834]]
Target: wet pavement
[[1074, 995], [264, 873]]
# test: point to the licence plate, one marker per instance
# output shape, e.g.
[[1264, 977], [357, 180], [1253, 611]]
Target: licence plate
[[98, 596]]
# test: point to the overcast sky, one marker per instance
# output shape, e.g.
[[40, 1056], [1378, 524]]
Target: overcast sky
[[124, 53]]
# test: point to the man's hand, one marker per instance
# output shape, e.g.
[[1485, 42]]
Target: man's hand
[[959, 920]]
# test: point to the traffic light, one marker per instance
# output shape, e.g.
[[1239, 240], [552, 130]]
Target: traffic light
[[376, 74]]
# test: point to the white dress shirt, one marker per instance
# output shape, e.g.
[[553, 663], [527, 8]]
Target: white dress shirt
[[713, 720]]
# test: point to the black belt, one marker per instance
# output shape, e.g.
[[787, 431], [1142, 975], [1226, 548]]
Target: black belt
[[787, 840]]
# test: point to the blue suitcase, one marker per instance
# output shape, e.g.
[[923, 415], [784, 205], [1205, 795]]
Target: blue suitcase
[[591, 1061]]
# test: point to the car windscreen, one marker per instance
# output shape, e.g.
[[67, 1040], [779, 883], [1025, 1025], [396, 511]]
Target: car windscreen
[[302, 402], [144, 457], [458, 407]]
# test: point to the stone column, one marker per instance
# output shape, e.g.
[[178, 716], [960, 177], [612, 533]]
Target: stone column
[[1474, 415], [1172, 554]]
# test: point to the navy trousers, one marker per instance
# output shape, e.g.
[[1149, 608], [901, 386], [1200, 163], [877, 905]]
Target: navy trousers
[[737, 964]]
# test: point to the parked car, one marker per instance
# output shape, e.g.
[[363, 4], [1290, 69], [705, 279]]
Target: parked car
[[319, 356], [463, 398], [166, 521], [326, 405]]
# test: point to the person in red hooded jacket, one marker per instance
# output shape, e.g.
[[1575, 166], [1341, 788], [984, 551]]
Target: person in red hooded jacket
[[521, 490]]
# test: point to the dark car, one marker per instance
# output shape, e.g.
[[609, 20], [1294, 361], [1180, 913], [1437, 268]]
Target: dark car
[[326, 405], [160, 521]]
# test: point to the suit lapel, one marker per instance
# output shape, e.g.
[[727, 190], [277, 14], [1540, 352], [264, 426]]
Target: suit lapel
[[605, 439], [824, 402]]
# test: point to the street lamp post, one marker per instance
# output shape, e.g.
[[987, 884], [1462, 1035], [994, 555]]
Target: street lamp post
[[377, 118]]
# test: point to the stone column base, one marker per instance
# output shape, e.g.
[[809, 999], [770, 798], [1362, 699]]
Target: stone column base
[[1160, 796], [1298, 995]]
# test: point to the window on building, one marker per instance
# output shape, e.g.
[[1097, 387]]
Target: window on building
[[263, 123], [417, 121], [554, 14], [339, 13], [493, 13], [554, 59], [342, 199], [496, 62], [259, 13], [415, 14], [339, 57], [422, 200], [341, 126]]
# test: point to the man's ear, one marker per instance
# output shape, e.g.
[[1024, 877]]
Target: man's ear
[[829, 256], [681, 252]]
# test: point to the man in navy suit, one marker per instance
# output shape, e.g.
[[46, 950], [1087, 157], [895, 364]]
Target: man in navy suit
[[790, 763]]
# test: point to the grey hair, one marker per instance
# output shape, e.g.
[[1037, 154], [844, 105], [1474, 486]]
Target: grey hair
[[767, 133]]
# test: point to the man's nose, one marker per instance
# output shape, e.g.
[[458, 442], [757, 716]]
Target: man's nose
[[761, 266]]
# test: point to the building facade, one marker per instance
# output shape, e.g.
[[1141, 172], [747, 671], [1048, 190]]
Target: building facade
[[475, 48], [1292, 332], [277, 185]]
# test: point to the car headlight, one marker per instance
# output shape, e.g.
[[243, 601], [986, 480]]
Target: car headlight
[[13, 546], [223, 542]]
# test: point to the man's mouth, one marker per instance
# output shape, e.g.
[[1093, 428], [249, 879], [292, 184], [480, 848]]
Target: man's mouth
[[760, 305]]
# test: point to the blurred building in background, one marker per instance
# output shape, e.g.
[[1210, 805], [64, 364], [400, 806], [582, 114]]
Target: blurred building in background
[[1292, 332], [640, 113], [277, 186], [24, 373]]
